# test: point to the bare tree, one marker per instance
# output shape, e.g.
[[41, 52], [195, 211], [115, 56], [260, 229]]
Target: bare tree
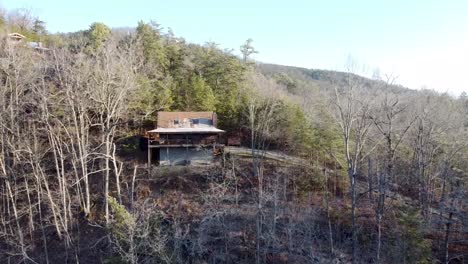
[[112, 83], [387, 120], [262, 122], [352, 113]]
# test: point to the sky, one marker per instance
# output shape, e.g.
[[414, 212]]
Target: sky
[[423, 43]]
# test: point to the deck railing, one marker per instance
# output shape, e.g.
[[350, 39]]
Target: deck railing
[[177, 141]]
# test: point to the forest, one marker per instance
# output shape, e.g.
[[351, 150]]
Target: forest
[[379, 174]]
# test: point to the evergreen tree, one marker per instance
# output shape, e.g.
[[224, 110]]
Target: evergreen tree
[[97, 34], [153, 49], [202, 95], [247, 49]]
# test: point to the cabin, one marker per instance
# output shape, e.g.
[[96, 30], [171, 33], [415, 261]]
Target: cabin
[[184, 138], [15, 38], [20, 40], [37, 46]]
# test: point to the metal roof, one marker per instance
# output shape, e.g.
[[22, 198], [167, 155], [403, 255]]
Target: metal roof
[[189, 130], [16, 35]]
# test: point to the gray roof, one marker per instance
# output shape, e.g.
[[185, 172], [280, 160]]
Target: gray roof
[[189, 130]]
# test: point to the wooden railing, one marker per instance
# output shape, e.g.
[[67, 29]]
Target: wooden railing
[[189, 141]]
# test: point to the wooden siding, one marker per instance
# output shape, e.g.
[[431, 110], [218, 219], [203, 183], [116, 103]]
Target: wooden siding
[[166, 119]]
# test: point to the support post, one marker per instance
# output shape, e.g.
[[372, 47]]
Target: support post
[[149, 155], [167, 151], [186, 149]]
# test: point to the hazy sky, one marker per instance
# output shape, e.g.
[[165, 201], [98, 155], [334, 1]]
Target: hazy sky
[[425, 43]]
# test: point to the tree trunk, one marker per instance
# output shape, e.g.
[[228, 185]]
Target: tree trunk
[[369, 181], [446, 239], [327, 204], [353, 214]]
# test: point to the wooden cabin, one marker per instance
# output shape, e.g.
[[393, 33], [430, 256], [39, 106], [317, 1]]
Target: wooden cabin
[[15, 38], [184, 138]]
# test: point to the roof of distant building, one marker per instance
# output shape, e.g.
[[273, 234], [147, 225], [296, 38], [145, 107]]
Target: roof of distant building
[[16, 35]]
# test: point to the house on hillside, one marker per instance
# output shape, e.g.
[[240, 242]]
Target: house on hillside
[[37, 45], [15, 38], [184, 138], [20, 40]]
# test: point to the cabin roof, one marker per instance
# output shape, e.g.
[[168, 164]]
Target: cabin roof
[[186, 130], [16, 35]]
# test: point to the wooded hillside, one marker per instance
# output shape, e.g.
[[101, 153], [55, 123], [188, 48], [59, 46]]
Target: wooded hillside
[[379, 173]]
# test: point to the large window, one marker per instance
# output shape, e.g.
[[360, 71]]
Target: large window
[[202, 121]]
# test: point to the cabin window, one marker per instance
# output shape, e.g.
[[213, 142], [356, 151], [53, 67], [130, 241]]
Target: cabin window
[[202, 121]]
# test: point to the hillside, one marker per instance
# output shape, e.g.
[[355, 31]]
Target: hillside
[[332, 168], [309, 78]]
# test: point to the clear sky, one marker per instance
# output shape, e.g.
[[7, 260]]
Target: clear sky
[[424, 43]]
